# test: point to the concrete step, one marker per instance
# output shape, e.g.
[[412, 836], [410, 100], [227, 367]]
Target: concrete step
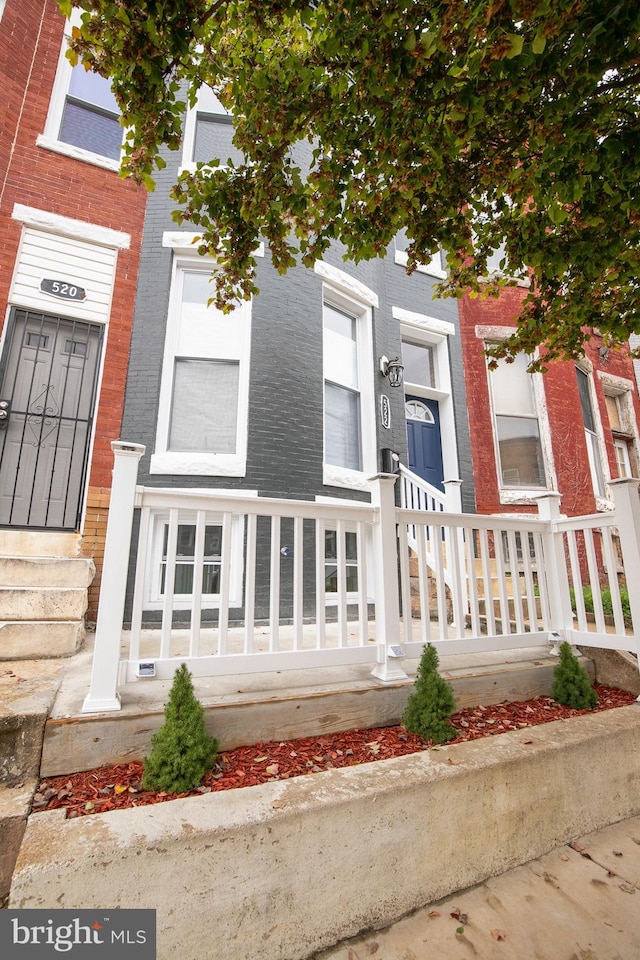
[[42, 603], [39, 543], [49, 572], [33, 639], [27, 692]]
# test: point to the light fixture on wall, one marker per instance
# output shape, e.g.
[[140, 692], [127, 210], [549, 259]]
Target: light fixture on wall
[[603, 353], [393, 369]]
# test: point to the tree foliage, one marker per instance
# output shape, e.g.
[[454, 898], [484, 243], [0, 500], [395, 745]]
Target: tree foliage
[[571, 684], [476, 125], [181, 750], [431, 703]]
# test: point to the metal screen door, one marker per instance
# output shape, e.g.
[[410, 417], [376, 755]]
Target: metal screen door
[[48, 379]]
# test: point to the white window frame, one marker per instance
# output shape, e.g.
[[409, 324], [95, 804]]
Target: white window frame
[[163, 460], [434, 268], [421, 328], [597, 446], [349, 295], [153, 598], [521, 495], [622, 389], [49, 139], [206, 102]]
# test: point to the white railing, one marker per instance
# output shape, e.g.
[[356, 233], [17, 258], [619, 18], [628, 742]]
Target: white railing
[[232, 584]]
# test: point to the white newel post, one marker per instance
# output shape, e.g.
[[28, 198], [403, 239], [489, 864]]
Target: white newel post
[[555, 567], [627, 504], [385, 550], [454, 495], [103, 692]]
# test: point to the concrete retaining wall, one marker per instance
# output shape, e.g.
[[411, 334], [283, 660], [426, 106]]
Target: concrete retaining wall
[[282, 870]]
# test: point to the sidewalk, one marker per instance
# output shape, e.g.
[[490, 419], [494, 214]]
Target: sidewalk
[[579, 902]]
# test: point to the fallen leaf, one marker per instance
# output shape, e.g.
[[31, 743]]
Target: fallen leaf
[[526, 741], [563, 856], [459, 930], [273, 769], [576, 846], [89, 805], [627, 888], [260, 759], [120, 788], [454, 763], [499, 934], [434, 913], [373, 946]]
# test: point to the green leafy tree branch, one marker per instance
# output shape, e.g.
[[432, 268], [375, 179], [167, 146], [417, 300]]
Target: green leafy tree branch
[[475, 125]]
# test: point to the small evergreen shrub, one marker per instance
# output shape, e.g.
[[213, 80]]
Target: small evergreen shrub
[[571, 684], [181, 750], [431, 703]]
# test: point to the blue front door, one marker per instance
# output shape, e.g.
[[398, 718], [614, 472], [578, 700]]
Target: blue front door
[[423, 439]]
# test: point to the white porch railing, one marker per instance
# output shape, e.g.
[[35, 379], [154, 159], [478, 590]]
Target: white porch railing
[[277, 584]]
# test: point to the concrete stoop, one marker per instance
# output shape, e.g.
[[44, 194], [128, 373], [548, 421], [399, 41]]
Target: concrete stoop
[[42, 598], [27, 692], [375, 842]]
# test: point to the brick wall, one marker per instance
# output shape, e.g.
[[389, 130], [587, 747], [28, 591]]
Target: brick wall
[[31, 35], [564, 412]]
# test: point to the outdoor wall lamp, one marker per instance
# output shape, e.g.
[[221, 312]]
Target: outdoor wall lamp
[[393, 369]]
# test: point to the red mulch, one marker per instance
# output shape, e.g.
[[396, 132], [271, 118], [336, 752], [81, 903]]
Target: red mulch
[[110, 788]]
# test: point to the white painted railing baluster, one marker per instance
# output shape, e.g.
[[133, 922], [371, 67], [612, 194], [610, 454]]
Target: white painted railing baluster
[[250, 583], [298, 586], [198, 568], [363, 605], [274, 586], [139, 584], [320, 584], [341, 575], [169, 585]]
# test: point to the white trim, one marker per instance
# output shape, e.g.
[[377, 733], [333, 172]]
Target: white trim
[[521, 495], [196, 463], [424, 322], [77, 153], [433, 268], [346, 283], [80, 229], [214, 106], [434, 332], [186, 242], [332, 475]]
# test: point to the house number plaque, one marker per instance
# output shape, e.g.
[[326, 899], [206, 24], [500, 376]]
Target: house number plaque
[[64, 289], [385, 412]]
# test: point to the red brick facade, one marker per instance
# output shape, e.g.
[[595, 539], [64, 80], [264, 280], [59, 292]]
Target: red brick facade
[[31, 35], [563, 410]]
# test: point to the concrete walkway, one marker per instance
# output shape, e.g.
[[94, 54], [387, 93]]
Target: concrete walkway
[[579, 902]]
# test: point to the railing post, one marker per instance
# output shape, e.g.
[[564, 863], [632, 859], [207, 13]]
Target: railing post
[[453, 495], [385, 552], [627, 510], [555, 566], [103, 691]]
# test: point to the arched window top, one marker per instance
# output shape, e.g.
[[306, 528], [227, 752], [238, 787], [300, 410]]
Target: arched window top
[[415, 410]]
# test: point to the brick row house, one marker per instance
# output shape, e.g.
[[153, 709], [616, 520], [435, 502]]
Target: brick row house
[[70, 237], [106, 334]]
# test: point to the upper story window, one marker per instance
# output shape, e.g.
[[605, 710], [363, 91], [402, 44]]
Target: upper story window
[[434, 267], [519, 446], [208, 132], [90, 118], [84, 118], [591, 433]]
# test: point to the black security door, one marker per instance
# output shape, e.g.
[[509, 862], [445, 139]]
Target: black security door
[[48, 378]]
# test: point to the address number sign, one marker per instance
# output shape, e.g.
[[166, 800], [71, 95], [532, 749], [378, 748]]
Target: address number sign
[[63, 289]]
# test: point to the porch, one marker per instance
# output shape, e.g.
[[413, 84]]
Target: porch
[[238, 585]]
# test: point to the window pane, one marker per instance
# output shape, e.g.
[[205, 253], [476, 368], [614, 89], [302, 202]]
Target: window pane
[[512, 387], [418, 364], [340, 348], [213, 140], [92, 88], [585, 400], [197, 287], [204, 410], [520, 450], [342, 427], [83, 127]]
